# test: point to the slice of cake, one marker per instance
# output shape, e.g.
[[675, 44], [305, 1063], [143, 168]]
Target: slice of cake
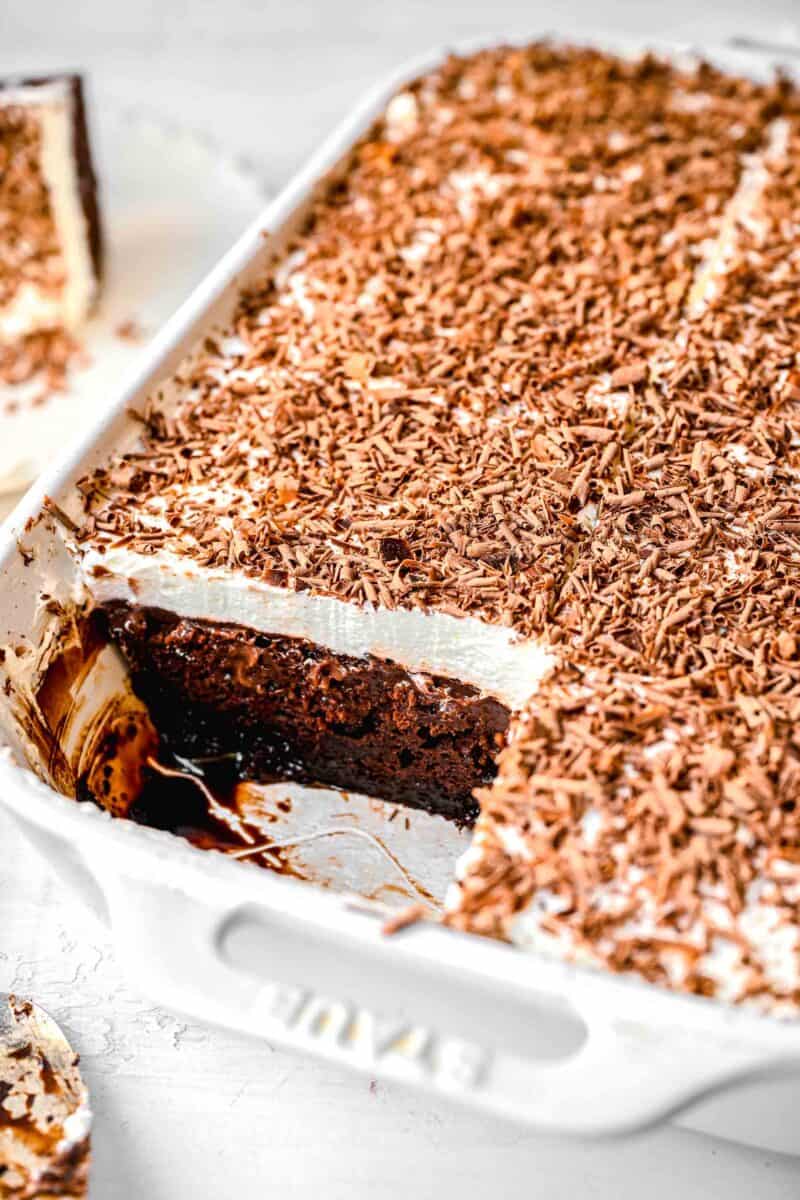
[[506, 450], [45, 1118], [50, 237]]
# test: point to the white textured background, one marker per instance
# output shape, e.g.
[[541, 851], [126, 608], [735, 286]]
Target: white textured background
[[184, 1112]]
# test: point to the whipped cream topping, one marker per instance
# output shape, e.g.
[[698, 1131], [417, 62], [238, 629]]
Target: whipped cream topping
[[744, 211], [489, 657]]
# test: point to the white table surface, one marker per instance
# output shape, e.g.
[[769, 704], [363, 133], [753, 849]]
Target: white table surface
[[185, 1112]]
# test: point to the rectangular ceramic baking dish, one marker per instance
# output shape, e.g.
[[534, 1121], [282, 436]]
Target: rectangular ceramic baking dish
[[552, 1046]]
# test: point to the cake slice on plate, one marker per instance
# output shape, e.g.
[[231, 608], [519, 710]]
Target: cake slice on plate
[[50, 235]]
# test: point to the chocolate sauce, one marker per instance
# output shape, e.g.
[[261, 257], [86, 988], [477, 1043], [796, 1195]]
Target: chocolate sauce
[[200, 800], [136, 769], [177, 805]]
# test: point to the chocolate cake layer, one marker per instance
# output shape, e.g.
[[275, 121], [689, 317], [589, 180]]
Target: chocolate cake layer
[[292, 709]]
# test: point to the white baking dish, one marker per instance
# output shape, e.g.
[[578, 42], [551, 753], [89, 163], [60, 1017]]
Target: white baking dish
[[552, 1046]]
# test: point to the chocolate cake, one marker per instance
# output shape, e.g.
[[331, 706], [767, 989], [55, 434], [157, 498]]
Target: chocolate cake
[[505, 449], [50, 236]]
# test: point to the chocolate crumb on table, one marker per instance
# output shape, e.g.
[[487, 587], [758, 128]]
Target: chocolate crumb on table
[[129, 330], [406, 917]]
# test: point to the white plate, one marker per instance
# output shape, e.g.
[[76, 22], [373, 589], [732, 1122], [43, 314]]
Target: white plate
[[171, 204]]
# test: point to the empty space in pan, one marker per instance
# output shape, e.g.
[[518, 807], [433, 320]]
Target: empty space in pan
[[91, 736]]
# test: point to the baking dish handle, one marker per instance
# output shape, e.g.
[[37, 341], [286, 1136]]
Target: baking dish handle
[[409, 1008]]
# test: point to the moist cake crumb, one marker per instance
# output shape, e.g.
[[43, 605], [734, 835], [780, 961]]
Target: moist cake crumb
[[288, 709]]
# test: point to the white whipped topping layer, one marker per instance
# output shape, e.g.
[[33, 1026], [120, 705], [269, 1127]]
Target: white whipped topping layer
[[491, 658], [718, 944], [744, 210], [32, 308], [76, 1126]]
